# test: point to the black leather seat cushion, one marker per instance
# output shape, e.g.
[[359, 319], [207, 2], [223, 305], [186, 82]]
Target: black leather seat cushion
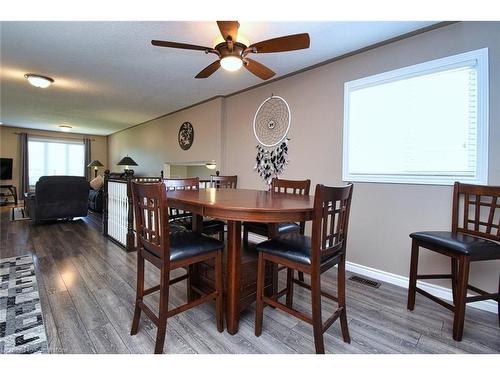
[[476, 248], [281, 228], [187, 244], [292, 246]]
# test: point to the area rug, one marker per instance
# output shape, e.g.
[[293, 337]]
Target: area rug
[[18, 213], [21, 322]]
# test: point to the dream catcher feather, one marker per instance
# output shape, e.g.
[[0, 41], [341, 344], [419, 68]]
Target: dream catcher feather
[[271, 124]]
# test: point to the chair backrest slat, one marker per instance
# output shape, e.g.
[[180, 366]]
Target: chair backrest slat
[[300, 187], [224, 182], [151, 217], [483, 218], [171, 184], [330, 220], [291, 186]]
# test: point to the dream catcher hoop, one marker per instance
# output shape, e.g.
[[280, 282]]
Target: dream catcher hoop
[[271, 124]]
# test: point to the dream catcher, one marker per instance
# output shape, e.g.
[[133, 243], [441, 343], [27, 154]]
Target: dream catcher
[[270, 126]]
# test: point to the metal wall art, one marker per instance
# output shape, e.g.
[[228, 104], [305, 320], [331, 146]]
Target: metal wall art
[[186, 135]]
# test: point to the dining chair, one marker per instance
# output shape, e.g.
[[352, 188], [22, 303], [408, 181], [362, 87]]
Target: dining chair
[[184, 218], [226, 182], [168, 252], [474, 236], [311, 255], [220, 182], [270, 230]]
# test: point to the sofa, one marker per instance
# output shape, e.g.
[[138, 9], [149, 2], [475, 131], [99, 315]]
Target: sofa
[[95, 199], [58, 197]]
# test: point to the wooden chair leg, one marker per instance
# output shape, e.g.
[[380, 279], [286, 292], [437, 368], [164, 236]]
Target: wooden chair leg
[[301, 276], [162, 321], [413, 275], [218, 286], [139, 293], [259, 305], [191, 295], [459, 317], [275, 282], [342, 301], [289, 287], [454, 271], [316, 313]]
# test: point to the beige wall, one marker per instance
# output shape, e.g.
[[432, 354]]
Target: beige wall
[[154, 143], [382, 214], [9, 147]]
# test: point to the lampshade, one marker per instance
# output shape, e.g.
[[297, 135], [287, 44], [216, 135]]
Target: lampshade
[[95, 163], [127, 161]]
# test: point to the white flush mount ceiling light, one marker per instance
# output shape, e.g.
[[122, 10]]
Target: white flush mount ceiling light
[[211, 165], [65, 128], [38, 80], [231, 63]]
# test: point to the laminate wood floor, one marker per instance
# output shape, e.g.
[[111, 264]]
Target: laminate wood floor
[[87, 290]]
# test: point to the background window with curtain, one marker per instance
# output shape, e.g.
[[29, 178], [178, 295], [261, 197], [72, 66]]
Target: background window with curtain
[[425, 124], [52, 156]]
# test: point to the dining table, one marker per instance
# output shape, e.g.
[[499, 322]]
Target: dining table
[[236, 206]]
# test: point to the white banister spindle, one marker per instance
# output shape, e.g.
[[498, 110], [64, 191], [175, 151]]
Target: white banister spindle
[[117, 211]]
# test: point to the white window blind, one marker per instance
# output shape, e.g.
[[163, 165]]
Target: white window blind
[[422, 124], [52, 156]]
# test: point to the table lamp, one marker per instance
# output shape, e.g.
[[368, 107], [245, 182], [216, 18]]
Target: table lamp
[[95, 164], [126, 161]]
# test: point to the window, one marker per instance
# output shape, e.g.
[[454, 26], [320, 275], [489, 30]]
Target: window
[[427, 123], [51, 156]]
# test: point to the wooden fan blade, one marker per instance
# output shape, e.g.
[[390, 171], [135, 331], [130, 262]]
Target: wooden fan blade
[[282, 44], [209, 70], [258, 69], [229, 29], [162, 43]]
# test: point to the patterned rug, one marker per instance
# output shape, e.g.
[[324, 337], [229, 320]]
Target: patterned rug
[[21, 323]]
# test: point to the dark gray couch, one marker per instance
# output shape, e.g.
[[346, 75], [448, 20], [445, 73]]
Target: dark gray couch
[[58, 197]]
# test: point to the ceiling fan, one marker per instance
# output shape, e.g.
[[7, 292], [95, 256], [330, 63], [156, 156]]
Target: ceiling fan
[[233, 54]]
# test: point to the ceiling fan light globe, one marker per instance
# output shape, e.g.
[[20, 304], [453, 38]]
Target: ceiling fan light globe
[[231, 63], [39, 81]]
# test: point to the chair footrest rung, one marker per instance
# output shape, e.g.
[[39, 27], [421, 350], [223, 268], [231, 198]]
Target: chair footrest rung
[[287, 309], [281, 293], [436, 299], [482, 297], [187, 306], [477, 290], [332, 319], [307, 286], [436, 276], [150, 314]]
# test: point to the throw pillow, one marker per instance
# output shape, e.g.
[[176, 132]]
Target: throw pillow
[[97, 183]]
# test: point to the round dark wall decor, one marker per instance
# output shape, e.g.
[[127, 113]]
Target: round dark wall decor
[[186, 135]]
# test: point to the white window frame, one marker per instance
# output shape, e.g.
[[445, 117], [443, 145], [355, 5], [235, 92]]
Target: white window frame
[[480, 56], [45, 139]]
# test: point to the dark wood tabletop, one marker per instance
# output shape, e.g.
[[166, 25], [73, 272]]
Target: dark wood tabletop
[[244, 204], [235, 206]]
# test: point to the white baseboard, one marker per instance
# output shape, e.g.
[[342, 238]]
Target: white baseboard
[[402, 281]]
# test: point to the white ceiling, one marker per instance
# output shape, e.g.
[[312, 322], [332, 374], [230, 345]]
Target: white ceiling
[[109, 77]]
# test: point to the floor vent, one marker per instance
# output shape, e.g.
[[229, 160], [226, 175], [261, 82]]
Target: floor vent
[[364, 281]]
